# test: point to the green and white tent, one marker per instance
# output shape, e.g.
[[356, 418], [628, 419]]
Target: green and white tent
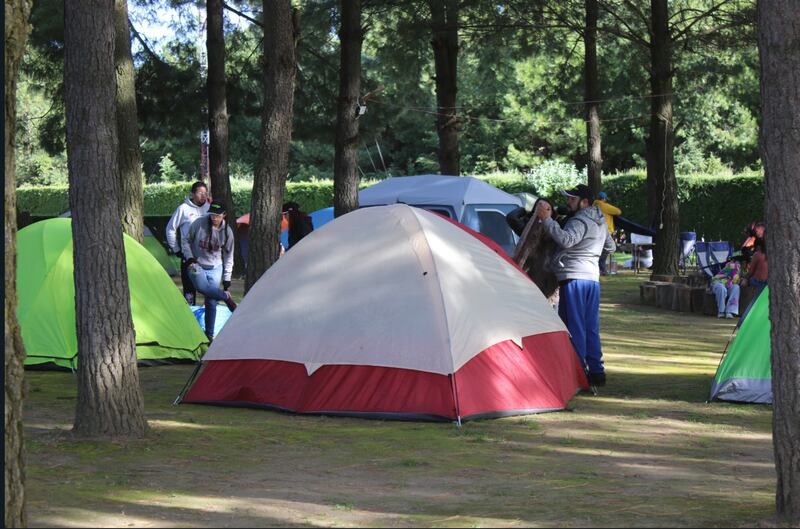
[[745, 373], [166, 329]]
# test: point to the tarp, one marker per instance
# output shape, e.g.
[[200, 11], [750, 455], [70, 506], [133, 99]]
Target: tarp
[[471, 201], [405, 305], [165, 326], [745, 374]]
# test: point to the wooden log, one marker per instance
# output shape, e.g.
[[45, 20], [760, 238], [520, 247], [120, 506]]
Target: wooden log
[[683, 299], [664, 293], [647, 293], [698, 293], [709, 304]]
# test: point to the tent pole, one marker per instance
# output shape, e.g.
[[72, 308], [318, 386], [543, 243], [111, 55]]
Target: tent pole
[[179, 398], [454, 389]]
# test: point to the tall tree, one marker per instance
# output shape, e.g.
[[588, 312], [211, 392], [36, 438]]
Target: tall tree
[[662, 188], [345, 165], [130, 158], [659, 32], [16, 31], [109, 399], [218, 115], [779, 45], [281, 27], [444, 24], [591, 83]]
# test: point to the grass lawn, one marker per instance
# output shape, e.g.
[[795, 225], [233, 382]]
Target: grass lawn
[[648, 451]]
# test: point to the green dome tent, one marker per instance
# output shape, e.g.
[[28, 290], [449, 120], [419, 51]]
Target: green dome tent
[[745, 373], [149, 241], [166, 329]]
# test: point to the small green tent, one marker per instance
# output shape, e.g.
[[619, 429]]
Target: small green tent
[[166, 329], [745, 373]]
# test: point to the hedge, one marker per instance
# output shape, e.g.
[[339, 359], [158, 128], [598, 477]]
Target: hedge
[[714, 207]]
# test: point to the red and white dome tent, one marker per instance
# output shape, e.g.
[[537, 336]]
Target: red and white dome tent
[[392, 312]]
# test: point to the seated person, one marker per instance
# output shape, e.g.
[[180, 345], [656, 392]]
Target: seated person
[[725, 286], [756, 275], [753, 233]]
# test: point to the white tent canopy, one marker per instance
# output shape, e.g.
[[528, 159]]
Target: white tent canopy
[[397, 287]]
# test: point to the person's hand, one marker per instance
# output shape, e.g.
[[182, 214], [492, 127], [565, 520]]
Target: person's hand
[[543, 210], [191, 261], [226, 285]]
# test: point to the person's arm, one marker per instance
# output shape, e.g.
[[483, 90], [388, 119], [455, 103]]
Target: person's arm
[[569, 236], [608, 209], [172, 228], [610, 246], [227, 258], [186, 242]]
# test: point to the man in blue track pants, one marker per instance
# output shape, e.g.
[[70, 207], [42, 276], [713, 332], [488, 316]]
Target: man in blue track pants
[[576, 265]]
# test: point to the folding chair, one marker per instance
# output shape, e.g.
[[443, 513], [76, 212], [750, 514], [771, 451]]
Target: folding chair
[[712, 256], [686, 244]]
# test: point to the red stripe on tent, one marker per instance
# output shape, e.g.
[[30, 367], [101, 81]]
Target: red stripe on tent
[[545, 374]]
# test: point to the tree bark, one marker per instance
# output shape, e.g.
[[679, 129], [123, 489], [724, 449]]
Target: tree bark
[[130, 158], [779, 42], [16, 30], [345, 166], [662, 188], [218, 118], [444, 19], [281, 25], [592, 97], [109, 399]]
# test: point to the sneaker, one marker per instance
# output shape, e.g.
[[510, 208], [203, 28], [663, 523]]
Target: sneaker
[[720, 315], [210, 338], [728, 315], [229, 302], [597, 379]]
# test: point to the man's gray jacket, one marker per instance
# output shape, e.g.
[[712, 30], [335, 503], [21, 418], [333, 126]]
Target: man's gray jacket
[[581, 241]]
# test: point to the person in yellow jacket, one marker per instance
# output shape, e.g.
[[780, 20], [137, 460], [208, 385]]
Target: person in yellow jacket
[[609, 212]]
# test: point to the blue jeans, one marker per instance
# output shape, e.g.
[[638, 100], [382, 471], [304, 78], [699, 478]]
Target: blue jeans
[[207, 282], [579, 309]]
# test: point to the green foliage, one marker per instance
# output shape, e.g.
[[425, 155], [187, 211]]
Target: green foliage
[[551, 176], [167, 170], [714, 206]]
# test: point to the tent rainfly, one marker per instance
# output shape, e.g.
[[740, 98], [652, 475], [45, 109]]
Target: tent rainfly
[[406, 315], [166, 329], [745, 373]]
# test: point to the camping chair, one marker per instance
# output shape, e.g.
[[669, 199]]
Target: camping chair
[[686, 244], [712, 256]]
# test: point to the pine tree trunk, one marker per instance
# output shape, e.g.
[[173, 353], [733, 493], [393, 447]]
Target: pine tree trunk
[[345, 167], [218, 119], [779, 42], [280, 27], [109, 399], [662, 188], [16, 33], [592, 96], [445, 53], [130, 158]]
